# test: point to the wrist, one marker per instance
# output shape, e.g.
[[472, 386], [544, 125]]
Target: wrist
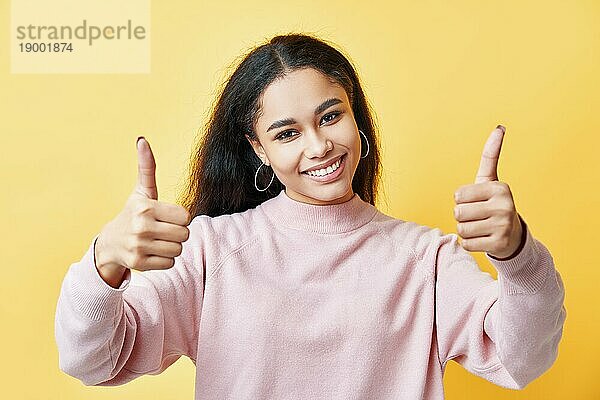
[[523, 237], [110, 271]]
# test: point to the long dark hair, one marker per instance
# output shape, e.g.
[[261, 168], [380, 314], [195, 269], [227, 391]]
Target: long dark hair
[[223, 165]]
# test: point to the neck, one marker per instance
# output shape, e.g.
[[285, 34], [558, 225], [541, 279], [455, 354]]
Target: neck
[[283, 210], [309, 200]]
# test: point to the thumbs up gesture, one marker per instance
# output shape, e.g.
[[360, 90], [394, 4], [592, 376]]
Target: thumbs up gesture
[[486, 214], [146, 234]]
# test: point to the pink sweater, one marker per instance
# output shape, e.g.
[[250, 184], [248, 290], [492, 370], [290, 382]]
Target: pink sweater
[[296, 301]]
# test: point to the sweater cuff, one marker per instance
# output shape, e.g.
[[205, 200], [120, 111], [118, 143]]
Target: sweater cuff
[[525, 272], [92, 296]]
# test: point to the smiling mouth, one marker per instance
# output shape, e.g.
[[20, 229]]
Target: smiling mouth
[[339, 162]]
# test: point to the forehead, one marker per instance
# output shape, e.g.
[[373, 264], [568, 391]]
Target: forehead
[[296, 95]]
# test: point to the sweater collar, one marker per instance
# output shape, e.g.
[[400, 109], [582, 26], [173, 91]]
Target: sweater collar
[[333, 218]]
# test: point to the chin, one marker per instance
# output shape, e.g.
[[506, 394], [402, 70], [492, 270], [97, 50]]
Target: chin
[[325, 195]]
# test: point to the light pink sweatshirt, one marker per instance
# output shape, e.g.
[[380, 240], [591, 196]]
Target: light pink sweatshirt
[[296, 301]]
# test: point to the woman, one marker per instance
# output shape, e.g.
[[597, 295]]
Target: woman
[[288, 282]]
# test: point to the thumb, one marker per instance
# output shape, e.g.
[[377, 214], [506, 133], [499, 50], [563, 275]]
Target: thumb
[[488, 167], [146, 184]]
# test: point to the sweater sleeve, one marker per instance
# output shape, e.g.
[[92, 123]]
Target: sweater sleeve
[[506, 331], [107, 336]]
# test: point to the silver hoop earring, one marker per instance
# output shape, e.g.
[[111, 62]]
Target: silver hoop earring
[[256, 176], [367, 140]]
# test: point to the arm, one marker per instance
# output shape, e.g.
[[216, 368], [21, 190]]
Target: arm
[[507, 330], [109, 336]]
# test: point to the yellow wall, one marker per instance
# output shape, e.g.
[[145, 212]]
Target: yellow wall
[[441, 75]]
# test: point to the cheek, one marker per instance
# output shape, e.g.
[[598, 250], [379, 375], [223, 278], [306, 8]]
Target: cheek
[[356, 150], [286, 162], [350, 136], [354, 143]]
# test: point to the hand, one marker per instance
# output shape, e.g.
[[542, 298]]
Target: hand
[[486, 214], [146, 234]]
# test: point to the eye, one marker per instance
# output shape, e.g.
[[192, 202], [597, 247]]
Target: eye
[[333, 114], [282, 136]]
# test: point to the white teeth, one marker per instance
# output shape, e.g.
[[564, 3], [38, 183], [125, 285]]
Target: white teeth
[[325, 171]]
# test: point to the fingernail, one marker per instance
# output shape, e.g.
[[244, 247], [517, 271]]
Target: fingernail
[[138, 139], [503, 129]]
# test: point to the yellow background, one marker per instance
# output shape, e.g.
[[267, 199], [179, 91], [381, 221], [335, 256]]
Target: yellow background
[[441, 75]]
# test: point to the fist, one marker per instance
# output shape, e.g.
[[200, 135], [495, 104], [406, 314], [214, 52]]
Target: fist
[[485, 211], [147, 234]]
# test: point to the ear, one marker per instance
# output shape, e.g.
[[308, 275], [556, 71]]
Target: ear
[[258, 149]]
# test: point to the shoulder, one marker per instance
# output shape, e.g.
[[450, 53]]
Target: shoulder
[[227, 232], [422, 240]]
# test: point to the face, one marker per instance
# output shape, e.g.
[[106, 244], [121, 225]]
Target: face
[[306, 121]]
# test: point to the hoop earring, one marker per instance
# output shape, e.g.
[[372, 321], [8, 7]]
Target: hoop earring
[[256, 175], [367, 140]]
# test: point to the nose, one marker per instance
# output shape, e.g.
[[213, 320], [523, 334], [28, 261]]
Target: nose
[[317, 145]]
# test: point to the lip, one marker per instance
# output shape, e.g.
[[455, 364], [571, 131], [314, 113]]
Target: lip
[[325, 164], [331, 177]]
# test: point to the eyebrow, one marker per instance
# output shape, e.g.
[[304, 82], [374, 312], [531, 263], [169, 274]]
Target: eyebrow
[[290, 121]]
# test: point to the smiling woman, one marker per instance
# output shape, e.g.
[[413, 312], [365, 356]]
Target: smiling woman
[[301, 288], [292, 104]]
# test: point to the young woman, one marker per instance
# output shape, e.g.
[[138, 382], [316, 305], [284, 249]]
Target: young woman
[[280, 279]]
